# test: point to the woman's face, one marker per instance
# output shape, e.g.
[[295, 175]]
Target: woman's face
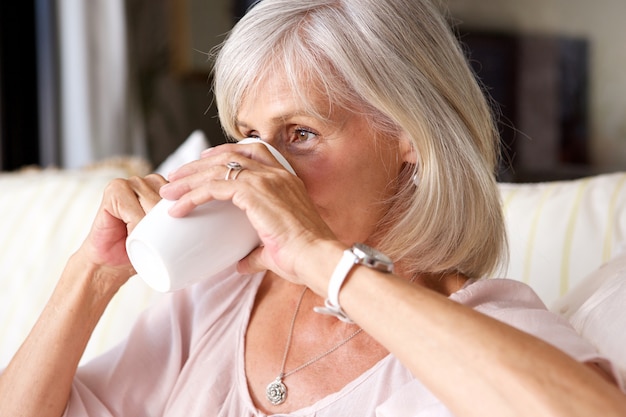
[[348, 171]]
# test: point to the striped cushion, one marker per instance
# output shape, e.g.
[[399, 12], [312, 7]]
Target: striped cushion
[[561, 231]]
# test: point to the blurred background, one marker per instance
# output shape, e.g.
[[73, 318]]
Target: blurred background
[[82, 81]]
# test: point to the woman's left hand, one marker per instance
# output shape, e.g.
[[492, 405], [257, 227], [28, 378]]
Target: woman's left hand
[[275, 201]]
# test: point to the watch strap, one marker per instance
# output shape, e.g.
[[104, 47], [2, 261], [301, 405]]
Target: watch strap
[[343, 268]]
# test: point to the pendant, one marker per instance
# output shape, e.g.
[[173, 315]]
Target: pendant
[[276, 391]]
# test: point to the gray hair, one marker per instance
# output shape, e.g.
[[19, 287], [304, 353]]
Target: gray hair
[[398, 63]]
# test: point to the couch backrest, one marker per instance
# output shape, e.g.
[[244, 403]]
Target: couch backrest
[[559, 232]]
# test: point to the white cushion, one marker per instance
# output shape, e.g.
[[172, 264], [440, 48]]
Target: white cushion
[[597, 310], [561, 231], [188, 151]]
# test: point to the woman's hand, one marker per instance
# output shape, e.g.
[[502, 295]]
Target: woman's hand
[[124, 203], [275, 201]]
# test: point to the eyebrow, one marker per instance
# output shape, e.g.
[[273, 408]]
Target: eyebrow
[[278, 119]]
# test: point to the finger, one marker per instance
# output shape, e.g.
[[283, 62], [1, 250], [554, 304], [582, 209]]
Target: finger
[[196, 197], [147, 190], [193, 181], [123, 200], [218, 183], [192, 175], [156, 181], [129, 200]]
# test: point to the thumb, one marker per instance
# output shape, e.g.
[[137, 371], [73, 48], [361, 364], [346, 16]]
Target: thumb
[[252, 263]]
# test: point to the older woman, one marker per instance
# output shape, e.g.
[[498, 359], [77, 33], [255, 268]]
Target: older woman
[[375, 108]]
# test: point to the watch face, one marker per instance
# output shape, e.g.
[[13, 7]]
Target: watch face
[[373, 258]]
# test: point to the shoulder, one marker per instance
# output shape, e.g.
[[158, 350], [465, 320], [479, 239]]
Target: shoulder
[[510, 301], [497, 293], [517, 305]]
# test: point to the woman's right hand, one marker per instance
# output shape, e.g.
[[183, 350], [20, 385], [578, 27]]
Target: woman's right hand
[[124, 203]]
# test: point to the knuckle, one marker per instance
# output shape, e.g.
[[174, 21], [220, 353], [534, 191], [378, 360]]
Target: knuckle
[[134, 180], [147, 184], [116, 185], [154, 177]]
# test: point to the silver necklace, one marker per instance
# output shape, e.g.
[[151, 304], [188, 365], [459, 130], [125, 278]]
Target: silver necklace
[[276, 391]]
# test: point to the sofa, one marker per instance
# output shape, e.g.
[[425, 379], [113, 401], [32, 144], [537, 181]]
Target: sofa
[[566, 240]]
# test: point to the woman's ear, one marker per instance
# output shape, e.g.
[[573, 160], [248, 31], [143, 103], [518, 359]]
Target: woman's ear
[[407, 150]]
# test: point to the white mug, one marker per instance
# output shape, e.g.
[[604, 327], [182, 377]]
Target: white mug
[[170, 253]]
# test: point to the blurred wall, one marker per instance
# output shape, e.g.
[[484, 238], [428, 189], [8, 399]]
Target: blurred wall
[[177, 103], [599, 21], [174, 102]]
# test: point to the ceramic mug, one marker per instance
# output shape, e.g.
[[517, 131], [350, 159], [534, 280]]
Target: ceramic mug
[[170, 253]]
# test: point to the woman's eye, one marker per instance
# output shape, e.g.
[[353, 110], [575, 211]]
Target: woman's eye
[[303, 135]]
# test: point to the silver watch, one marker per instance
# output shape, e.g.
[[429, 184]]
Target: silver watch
[[372, 258], [359, 254]]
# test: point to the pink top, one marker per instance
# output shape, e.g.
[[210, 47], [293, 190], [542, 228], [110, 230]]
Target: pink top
[[185, 357]]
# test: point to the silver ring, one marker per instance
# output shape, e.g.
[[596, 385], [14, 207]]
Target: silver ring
[[233, 166]]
